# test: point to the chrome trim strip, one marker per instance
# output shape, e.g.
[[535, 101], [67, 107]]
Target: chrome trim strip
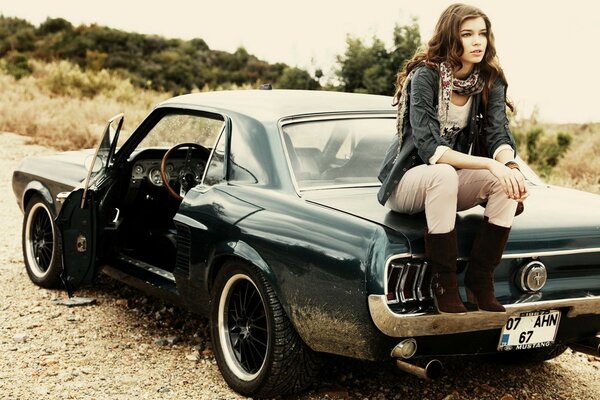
[[510, 256], [408, 267], [420, 295], [414, 282], [150, 268], [184, 219], [326, 116], [62, 196], [398, 325], [396, 292], [387, 266], [225, 129], [345, 186], [402, 281], [550, 253]]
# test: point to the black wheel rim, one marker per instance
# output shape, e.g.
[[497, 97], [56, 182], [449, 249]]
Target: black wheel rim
[[247, 326], [41, 240]]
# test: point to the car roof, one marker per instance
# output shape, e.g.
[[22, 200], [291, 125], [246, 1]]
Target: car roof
[[276, 104]]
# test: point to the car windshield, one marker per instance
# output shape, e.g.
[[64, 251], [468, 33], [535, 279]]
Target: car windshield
[[338, 152]]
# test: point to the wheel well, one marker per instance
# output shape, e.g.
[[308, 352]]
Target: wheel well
[[220, 260], [216, 266], [27, 197], [32, 192]]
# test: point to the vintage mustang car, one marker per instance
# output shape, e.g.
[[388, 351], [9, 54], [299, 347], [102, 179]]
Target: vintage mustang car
[[258, 209]]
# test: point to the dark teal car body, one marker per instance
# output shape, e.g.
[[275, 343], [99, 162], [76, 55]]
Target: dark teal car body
[[287, 190]]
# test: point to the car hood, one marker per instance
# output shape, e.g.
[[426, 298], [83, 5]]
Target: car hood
[[555, 219], [66, 167]]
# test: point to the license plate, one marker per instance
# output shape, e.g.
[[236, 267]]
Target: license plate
[[529, 330]]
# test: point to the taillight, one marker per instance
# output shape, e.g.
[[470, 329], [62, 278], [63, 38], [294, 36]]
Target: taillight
[[407, 281]]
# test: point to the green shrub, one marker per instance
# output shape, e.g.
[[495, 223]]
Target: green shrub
[[544, 151], [17, 66]]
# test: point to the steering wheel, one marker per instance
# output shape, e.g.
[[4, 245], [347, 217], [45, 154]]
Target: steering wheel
[[187, 176]]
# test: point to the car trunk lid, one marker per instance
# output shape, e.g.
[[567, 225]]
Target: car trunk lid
[[555, 219]]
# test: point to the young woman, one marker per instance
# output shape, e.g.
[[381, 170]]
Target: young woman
[[453, 151]]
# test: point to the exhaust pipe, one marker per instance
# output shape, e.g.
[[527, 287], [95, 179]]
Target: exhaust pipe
[[407, 349], [432, 370], [589, 346]]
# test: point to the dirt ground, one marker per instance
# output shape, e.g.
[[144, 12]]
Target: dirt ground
[[129, 346]]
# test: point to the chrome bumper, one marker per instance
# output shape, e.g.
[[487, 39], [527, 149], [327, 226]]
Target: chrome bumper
[[398, 325]]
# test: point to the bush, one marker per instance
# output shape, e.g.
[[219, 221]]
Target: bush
[[17, 66], [544, 151]]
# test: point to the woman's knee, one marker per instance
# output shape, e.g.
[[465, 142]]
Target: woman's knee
[[444, 175]]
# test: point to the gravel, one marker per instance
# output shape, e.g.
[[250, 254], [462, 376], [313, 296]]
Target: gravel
[[123, 344]]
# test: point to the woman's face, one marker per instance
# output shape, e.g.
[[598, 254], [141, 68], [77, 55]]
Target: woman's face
[[473, 35]]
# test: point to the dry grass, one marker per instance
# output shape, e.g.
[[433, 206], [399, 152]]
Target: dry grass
[[65, 108], [579, 168]]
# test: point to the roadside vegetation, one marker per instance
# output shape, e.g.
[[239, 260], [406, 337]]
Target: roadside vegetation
[[562, 154], [61, 106], [59, 83]]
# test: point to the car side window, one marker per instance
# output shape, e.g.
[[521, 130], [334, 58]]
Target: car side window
[[215, 173], [174, 129]]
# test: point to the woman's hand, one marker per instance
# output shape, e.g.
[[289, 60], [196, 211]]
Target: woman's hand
[[511, 179]]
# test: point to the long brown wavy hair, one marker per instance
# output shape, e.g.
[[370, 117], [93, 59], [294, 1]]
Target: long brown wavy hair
[[446, 45]]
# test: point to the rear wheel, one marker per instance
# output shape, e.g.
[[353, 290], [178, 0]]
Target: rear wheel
[[41, 247], [257, 349]]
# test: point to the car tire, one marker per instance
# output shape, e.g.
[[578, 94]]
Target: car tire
[[531, 356], [257, 349], [41, 244]]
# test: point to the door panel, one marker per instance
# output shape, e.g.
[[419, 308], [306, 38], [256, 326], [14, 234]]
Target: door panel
[[77, 223]]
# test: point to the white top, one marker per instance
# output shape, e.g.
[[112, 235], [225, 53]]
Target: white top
[[458, 119]]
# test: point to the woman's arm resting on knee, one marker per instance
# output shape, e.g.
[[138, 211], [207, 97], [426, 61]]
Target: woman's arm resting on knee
[[516, 180], [511, 179]]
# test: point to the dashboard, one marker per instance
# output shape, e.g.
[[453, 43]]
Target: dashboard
[[150, 170], [146, 167]]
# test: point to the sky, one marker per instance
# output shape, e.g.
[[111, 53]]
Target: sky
[[548, 49]]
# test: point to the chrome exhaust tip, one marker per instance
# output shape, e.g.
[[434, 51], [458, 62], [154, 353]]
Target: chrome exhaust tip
[[405, 349], [589, 346], [432, 370]]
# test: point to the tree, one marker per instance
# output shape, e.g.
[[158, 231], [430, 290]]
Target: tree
[[16, 35], [54, 25], [372, 69], [296, 78]]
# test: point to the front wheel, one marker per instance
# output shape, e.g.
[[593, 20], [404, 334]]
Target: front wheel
[[257, 349], [41, 247]]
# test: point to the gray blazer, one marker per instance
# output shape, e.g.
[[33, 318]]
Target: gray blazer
[[421, 131]]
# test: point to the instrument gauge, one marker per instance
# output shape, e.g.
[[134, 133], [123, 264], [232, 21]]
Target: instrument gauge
[[138, 169], [155, 177]]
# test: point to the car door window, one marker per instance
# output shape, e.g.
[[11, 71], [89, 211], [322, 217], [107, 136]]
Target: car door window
[[174, 129], [215, 173]]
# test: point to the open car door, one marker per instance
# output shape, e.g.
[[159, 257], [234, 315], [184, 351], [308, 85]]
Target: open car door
[[78, 217]]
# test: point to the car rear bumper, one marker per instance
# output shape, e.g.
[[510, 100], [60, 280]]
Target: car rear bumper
[[399, 325]]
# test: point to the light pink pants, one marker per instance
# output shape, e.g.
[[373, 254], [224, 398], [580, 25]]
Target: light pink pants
[[441, 190]]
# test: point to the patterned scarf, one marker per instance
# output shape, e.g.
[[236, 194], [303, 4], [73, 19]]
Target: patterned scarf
[[473, 84]]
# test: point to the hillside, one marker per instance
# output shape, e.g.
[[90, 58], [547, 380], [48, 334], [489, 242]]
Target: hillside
[[148, 61]]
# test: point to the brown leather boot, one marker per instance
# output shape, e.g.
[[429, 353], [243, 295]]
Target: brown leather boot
[[486, 254], [441, 251]]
